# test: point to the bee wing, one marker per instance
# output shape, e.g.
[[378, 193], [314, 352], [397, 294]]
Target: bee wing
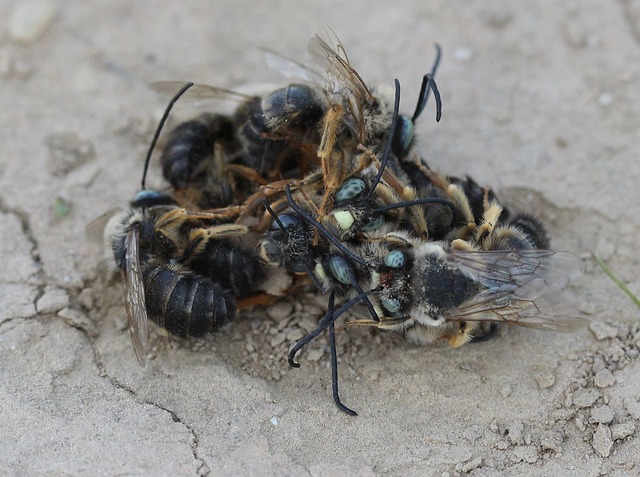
[[199, 92], [292, 68], [95, 229], [329, 54], [134, 297], [520, 286], [341, 79]]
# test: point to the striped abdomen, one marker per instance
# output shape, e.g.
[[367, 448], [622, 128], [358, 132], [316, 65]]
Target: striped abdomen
[[186, 304]]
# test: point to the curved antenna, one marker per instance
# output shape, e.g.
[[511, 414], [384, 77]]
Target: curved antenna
[[159, 129], [324, 323], [387, 147], [328, 322], [425, 89], [423, 200], [275, 217]]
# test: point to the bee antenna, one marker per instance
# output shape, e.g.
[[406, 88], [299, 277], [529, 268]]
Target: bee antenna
[[423, 200], [328, 321], [428, 84], [159, 129], [387, 147], [275, 217], [331, 237], [331, 315]]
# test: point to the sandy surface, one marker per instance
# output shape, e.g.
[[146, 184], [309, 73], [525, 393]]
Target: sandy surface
[[541, 101]]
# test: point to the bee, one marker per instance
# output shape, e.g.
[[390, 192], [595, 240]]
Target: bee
[[180, 268], [264, 139], [434, 290], [428, 290], [356, 114], [292, 130]]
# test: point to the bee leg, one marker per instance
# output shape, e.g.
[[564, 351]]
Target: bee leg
[[488, 334], [459, 244], [246, 173], [463, 335], [324, 323], [489, 221], [458, 197], [199, 238]]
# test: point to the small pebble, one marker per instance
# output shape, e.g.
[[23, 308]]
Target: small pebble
[[552, 440], [633, 407], [506, 390], [52, 301], [616, 353], [602, 414], [471, 465], [280, 311], [277, 340], [514, 432], [602, 331], [86, 298], [602, 442], [604, 378], [587, 307], [77, 319], [294, 334], [274, 420], [621, 431], [585, 397], [598, 365], [527, 454], [545, 379], [30, 19], [315, 354]]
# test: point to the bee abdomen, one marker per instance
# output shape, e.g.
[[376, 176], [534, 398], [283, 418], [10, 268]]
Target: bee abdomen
[[533, 229], [186, 304], [269, 124], [190, 143], [236, 270]]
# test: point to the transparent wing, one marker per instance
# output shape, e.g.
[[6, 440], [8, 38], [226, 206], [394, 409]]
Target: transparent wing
[[329, 54], [134, 297], [292, 68], [198, 92], [94, 231], [522, 287]]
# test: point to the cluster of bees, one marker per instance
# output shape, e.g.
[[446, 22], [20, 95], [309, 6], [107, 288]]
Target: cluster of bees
[[322, 179]]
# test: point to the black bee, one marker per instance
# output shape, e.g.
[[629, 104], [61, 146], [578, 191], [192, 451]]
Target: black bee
[[218, 159], [290, 131], [180, 268]]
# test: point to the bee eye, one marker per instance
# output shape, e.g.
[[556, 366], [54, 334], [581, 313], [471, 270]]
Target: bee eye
[[340, 269], [150, 198], [375, 224], [350, 189], [288, 221], [402, 136], [395, 259], [391, 304]]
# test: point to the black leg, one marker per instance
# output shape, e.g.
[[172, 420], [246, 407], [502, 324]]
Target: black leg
[[493, 330]]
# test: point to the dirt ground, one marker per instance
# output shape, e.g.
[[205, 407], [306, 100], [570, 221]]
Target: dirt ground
[[541, 102]]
